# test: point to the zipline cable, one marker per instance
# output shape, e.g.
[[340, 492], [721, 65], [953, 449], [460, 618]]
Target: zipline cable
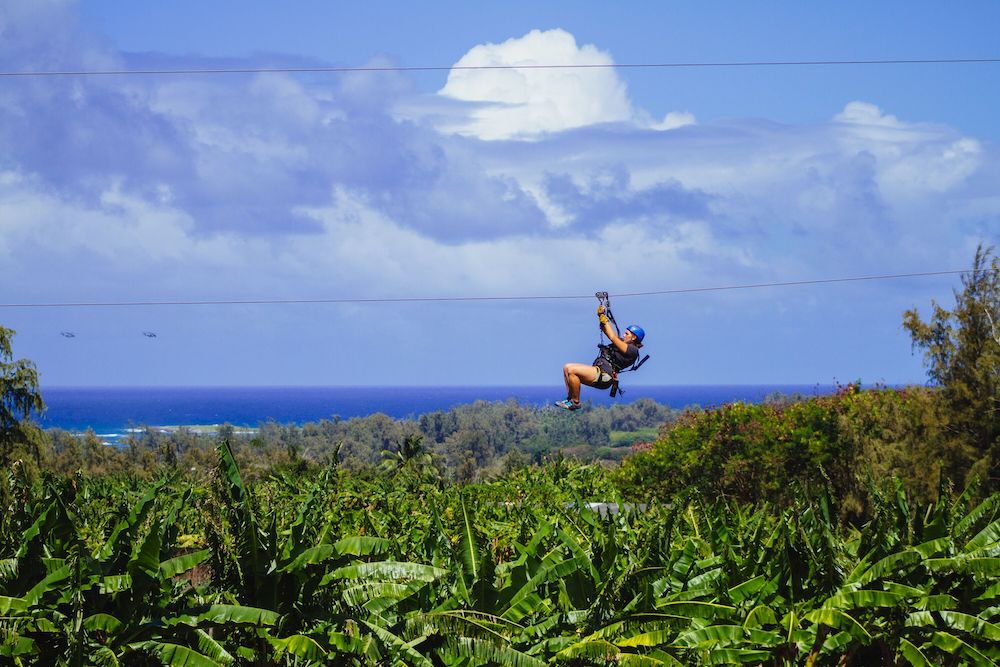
[[790, 283], [258, 302], [441, 68]]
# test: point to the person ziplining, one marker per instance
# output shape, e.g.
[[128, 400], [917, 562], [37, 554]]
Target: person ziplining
[[620, 355]]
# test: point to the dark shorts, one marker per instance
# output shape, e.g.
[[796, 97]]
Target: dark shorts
[[605, 374]]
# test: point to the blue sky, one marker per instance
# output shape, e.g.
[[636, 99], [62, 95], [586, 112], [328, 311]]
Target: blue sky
[[487, 183]]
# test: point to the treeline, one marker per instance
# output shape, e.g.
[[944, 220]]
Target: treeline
[[469, 442]]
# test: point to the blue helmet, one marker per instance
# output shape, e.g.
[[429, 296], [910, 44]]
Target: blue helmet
[[636, 331]]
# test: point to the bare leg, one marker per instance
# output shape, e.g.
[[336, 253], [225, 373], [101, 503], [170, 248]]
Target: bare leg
[[576, 374]]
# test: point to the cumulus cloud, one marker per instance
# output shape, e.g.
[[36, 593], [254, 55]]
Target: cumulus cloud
[[505, 93], [865, 113], [527, 103], [918, 164]]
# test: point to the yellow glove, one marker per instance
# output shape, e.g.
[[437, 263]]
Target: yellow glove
[[601, 316]]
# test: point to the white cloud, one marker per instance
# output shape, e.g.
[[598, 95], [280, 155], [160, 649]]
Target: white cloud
[[865, 113], [515, 101], [527, 103], [680, 206], [673, 120], [914, 160]]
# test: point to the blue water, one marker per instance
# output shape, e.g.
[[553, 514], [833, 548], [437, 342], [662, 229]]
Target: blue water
[[109, 411]]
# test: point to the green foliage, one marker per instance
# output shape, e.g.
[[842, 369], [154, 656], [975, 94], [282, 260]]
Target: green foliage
[[962, 353], [468, 443], [639, 415], [847, 443], [19, 397], [328, 567], [766, 452]]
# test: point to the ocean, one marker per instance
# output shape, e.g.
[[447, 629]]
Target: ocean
[[111, 411]]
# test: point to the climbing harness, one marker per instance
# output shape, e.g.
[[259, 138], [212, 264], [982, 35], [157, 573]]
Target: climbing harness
[[603, 377]]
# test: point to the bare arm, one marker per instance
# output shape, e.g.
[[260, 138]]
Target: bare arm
[[609, 331]]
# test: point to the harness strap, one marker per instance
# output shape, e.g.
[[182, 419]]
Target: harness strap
[[639, 363], [605, 301]]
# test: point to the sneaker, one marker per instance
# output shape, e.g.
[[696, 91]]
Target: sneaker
[[567, 404]]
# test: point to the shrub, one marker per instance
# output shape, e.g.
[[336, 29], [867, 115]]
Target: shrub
[[768, 452]]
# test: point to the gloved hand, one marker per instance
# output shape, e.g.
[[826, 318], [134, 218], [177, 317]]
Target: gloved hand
[[601, 316]]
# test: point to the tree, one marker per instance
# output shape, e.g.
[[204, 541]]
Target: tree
[[962, 354], [19, 397], [410, 457]]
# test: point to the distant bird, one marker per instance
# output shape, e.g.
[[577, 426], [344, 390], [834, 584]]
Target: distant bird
[[149, 334], [67, 334]]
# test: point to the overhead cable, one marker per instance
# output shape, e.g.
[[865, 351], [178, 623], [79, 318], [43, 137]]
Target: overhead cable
[[350, 300], [448, 68]]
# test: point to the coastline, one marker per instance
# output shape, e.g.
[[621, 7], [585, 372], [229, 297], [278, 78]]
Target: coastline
[[114, 412], [116, 438]]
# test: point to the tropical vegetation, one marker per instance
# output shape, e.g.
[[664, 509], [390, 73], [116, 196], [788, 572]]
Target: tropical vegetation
[[340, 568], [860, 528]]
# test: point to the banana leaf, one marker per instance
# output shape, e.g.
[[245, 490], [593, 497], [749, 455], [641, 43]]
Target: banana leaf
[[901, 561], [146, 560], [32, 597], [743, 591], [936, 603], [988, 507], [397, 645], [490, 652], [181, 564], [988, 535], [725, 656], [952, 644], [9, 604], [988, 567], [14, 647], [913, 654], [212, 648], [759, 616], [660, 637], [104, 657], [226, 613], [706, 610], [299, 646], [967, 623], [102, 622], [115, 583], [363, 545], [835, 618], [990, 593], [863, 599], [386, 571], [597, 650], [124, 530], [35, 530], [8, 569], [175, 655]]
